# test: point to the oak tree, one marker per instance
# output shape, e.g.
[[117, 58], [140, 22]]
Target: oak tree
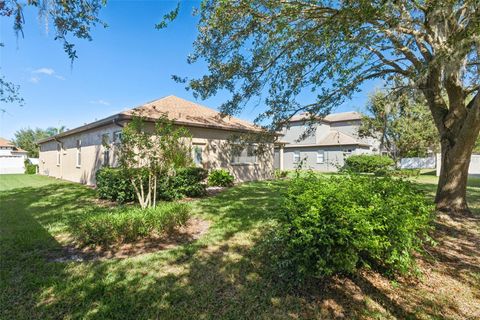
[[283, 48]]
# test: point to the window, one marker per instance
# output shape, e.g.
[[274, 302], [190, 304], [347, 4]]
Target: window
[[59, 153], [320, 156], [117, 137], [242, 154], [79, 153], [296, 156], [106, 149], [197, 155]]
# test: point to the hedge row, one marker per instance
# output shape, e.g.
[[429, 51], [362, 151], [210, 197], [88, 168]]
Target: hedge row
[[114, 184]]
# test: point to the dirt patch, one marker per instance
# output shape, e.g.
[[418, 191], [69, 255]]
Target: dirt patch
[[193, 230], [448, 287]]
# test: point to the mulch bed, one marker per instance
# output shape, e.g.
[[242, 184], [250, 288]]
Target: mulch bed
[[193, 230]]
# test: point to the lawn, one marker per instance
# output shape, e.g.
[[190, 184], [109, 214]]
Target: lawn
[[222, 275]]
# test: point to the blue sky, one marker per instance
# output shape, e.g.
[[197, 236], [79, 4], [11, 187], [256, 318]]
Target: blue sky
[[125, 65]]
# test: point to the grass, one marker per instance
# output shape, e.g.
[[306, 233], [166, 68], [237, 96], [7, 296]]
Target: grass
[[222, 275]]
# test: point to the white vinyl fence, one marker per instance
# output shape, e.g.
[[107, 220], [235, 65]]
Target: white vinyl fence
[[474, 168], [12, 165], [418, 163]]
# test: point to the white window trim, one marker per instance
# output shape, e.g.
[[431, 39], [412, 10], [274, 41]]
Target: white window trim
[[296, 156], [78, 164], [194, 155], [320, 155]]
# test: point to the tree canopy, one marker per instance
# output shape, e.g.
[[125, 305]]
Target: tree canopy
[[286, 48], [27, 138], [67, 18], [402, 123]]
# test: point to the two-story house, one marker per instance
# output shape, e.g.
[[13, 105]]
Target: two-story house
[[329, 141], [12, 158]]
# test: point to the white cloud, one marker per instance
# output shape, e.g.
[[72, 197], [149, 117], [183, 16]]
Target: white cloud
[[47, 71], [36, 75], [100, 101], [34, 79]]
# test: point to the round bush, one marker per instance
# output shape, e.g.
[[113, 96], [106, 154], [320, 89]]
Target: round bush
[[221, 178], [365, 163], [337, 224]]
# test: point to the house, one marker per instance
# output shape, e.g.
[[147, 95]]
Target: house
[[322, 143], [78, 153], [12, 158]]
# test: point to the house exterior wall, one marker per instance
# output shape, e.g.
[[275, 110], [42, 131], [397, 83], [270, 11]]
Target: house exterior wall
[[347, 127], [333, 157], [212, 142], [296, 129]]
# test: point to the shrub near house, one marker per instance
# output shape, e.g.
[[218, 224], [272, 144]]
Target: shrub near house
[[338, 224], [114, 184]]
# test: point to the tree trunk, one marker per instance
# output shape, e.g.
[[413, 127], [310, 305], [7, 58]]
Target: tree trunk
[[452, 184]]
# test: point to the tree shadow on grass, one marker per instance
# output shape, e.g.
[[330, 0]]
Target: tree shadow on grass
[[226, 275]]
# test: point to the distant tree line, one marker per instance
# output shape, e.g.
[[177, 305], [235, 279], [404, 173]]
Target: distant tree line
[[27, 138]]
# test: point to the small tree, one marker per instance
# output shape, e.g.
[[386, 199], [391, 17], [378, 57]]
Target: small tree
[[402, 123], [147, 155]]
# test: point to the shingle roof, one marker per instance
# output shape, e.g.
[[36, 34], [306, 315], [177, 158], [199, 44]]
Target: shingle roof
[[333, 117], [180, 111], [189, 113], [337, 138], [6, 143]]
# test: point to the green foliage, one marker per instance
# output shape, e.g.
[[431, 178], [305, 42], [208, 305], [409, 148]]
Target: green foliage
[[114, 184], [366, 163], [221, 178], [128, 224], [30, 168], [406, 173], [338, 224], [402, 122], [280, 174], [158, 152], [187, 182]]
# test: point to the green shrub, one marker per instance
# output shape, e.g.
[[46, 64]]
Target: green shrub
[[113, 184], [337, 224], [280, 174], [30, 168], [366, 163], [187, 182], [221, 178], [128, 224], [406, 173]]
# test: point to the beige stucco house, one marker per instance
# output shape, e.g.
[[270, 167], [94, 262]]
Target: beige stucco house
[[77, 154]]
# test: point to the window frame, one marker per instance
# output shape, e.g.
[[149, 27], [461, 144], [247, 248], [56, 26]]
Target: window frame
[[197, 147], [78, 158], [320, 155], [250, 155], [59, 154], [296, 156]]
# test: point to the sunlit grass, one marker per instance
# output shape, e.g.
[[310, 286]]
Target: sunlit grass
[[217, 276]]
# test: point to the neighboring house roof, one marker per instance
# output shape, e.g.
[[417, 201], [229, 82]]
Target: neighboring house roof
[[6, 143], [180, 111], [333, 117], [334, 138]]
